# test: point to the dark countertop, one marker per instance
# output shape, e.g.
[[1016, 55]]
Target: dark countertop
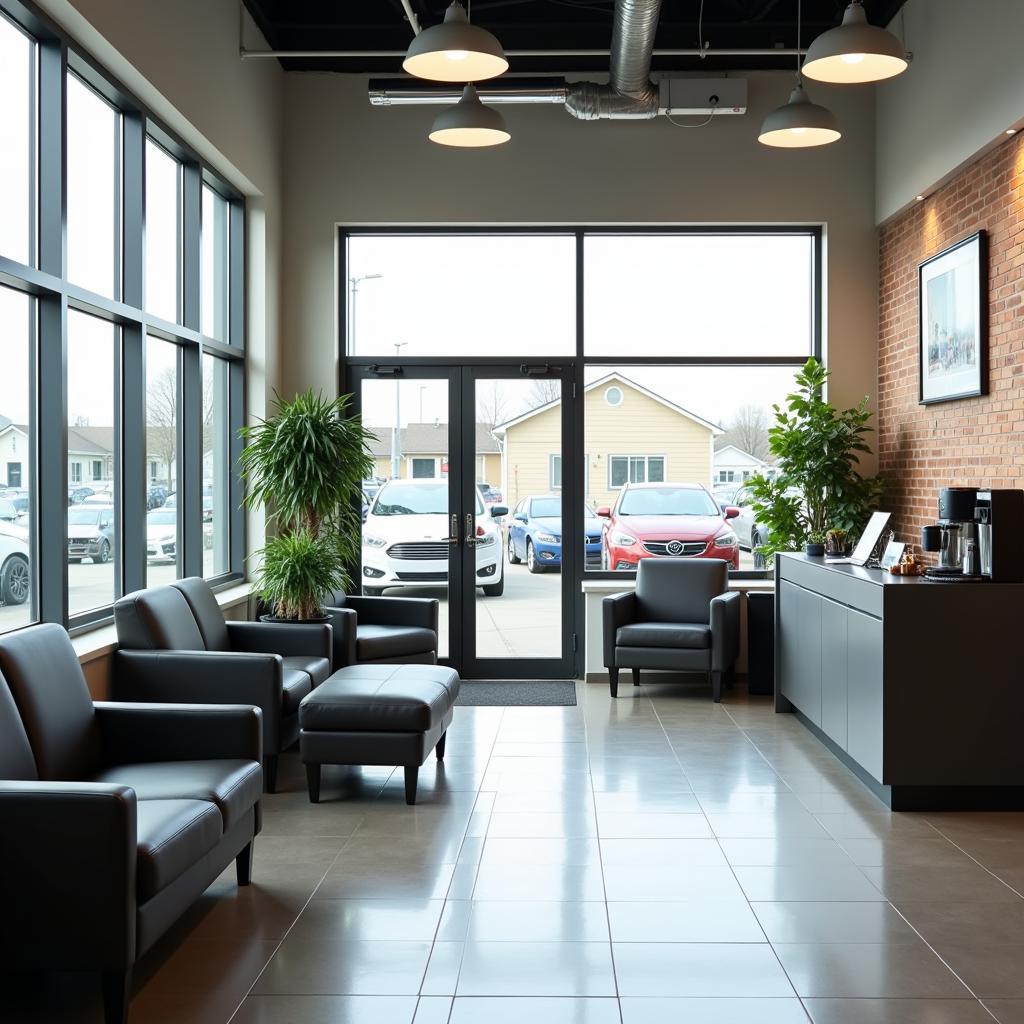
[[881, 577]]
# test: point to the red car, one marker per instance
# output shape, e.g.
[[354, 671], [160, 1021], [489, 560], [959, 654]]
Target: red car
[[674, 520]]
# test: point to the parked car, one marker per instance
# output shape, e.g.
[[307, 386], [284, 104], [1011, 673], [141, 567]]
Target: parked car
[[535, 534], [171, 501], [750, 533], [162, 535], [91, 533], [76, 495], [15, 578], [405, 539], [491, 495], [156, 497], [20, 498], [8, 511], [679, 520], [104, 497]]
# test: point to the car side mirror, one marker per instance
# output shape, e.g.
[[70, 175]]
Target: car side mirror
[[520, 517], [497, 511], [731, 511], [604, 512]]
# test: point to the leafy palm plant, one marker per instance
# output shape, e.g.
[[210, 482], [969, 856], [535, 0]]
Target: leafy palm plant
[[817, 486], [305, 465]]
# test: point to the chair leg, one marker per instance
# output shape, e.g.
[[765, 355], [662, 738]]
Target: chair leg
[[412, 774], [613, 681], [716, 686], [117, 991], [243, 865], [440, 746], [636, 677], [270, 773], [313, 782]]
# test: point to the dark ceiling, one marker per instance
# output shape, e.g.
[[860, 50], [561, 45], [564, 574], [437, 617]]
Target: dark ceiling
[[375, 25]]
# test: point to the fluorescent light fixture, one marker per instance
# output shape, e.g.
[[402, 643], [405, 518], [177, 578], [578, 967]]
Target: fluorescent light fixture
[[469, 124], [855, 52], [455, 51]]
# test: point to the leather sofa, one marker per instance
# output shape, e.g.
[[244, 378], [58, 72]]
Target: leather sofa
[[114, 817], [175, 645], [682, 617], [383, 630]]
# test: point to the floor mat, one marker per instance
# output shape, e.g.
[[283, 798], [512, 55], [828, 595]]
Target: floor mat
[[517, 693]]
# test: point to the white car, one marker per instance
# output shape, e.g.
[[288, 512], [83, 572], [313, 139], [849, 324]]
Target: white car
[[15, 578], [162, 535], [405, 539]]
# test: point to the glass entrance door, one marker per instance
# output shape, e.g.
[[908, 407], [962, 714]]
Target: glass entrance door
[[465, 506]]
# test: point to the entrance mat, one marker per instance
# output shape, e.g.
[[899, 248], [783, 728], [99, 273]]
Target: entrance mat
[[517, 693]]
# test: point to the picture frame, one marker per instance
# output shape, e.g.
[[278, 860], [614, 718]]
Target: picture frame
[[953, 322], [893, 553]]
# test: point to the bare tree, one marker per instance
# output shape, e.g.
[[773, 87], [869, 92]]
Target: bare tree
[[748, 430], [544, 390], [162, 420], [491, 404]]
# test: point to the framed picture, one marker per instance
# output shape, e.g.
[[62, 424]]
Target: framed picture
[[953, 322], [893, 553]]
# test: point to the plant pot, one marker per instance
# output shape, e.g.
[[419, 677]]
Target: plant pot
[[296, 622], [814, 550]]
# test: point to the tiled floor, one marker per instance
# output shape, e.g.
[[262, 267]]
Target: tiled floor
[[649, 860]]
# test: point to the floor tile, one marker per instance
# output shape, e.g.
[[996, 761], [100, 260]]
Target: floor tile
[[442, 974], [1007, 1011], [784, 850], [534, 921], [539, 882], [712, 1011], [698, 969], [911, 852], [326, 1010], [536, 969], [681, 884], [651, 825], [433, 1010], [765, 825], [537, 851], [971, 884], [540, 824], [862, 970], [991, 969], [834, 922], [504, 1010], [814, 883], [897, 1011], [341, 920], [705, 921], [644, 853]]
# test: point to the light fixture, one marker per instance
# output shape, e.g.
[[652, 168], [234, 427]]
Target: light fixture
[[799, 124], [1011, 131], [855, 52], [455, 51], [920, 199], [469, 123]]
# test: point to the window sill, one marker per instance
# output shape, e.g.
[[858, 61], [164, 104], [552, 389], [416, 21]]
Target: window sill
[[102, 641]]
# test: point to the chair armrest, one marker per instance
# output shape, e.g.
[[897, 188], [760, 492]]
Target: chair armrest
[[725, 630], [343, 623], [617, 610], [67, 875], [289, 639], [204, 677], [396, 611], [137, 733]]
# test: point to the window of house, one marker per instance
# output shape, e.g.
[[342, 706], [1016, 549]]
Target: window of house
[[635, 469], [14, 474], [76, 473], [424, 469], [555, 472], [97, 469]]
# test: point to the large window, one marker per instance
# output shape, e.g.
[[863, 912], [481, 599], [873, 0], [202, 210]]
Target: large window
[[123, 281]]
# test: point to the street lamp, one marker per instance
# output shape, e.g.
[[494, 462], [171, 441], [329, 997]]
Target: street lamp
[[396, 452], [354, 291]]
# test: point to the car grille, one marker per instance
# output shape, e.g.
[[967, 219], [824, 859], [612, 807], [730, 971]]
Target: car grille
[[420, 550], [675, 548], [423, 577], [594, 539]]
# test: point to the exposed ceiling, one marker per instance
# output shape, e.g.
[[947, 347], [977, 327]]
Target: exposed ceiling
[[547, 25]]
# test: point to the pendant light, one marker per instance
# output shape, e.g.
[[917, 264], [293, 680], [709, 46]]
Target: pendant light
[[469, 124], [855, 52], [455, 51], [799, 124]]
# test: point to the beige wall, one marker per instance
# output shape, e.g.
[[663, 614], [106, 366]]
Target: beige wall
[[964, 88], [488, 467], [352, 164], [639, 426]]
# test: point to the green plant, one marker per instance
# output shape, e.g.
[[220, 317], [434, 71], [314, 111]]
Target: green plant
[[836, 541], [817, 485], [305, 465], [816, 537]]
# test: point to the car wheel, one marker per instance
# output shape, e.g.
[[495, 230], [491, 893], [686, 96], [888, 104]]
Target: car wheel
[[372, 591], [513, 558], [104, 555], [15, 580], [531, 558]]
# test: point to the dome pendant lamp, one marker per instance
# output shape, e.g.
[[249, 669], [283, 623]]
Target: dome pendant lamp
[[455, 51], [855, 52], [469, 124], [799, 124]]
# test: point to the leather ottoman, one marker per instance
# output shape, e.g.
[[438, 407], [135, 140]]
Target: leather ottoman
[[377, 714]]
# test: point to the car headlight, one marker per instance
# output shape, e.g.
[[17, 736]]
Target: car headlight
[[548, 538], [623, 539], [370, 541], [486, 540], [728, 539]]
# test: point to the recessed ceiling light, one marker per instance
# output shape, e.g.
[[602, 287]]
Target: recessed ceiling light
[[1011, 131], [920, 199]]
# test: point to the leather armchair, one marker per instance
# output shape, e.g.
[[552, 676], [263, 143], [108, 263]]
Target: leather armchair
[[175, 645], [682, 617], [116, 817], [369, 630]]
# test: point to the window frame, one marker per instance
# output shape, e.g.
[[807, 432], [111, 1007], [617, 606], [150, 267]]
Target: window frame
[[630, 459], [555, 459], [45, 278]]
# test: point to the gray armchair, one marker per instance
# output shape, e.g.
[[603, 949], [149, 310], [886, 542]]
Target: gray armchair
[[681, 618], [371, 630]]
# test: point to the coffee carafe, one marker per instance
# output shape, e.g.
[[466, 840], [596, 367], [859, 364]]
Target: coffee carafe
[[955, 536]]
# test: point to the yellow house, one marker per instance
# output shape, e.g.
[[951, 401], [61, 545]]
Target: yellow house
[[423, 452], [631, 435]]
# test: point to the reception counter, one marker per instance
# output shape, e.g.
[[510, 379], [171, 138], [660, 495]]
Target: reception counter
[[916, 685]]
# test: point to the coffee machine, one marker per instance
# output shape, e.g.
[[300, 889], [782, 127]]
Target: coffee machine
[[999, 514], [954, 537]]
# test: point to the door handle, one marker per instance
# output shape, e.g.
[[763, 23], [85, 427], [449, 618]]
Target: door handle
[[453, 540], [470, 531]]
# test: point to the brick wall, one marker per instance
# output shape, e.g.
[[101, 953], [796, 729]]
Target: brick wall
[[974, 441]]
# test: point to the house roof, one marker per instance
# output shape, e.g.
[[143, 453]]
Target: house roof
[[601, 382], [731, 451], [428, 439]]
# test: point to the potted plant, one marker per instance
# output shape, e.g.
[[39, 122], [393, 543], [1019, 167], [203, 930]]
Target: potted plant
[[815, 546], [837, 542], [817, 486], [305, 465]]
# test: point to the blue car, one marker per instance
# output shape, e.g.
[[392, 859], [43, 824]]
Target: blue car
[[535, 534]]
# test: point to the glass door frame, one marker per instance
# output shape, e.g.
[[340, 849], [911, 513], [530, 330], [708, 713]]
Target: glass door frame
[[462, 378]]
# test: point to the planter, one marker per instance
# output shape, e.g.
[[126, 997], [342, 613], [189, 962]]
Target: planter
[[320, 620], [814, 550]]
